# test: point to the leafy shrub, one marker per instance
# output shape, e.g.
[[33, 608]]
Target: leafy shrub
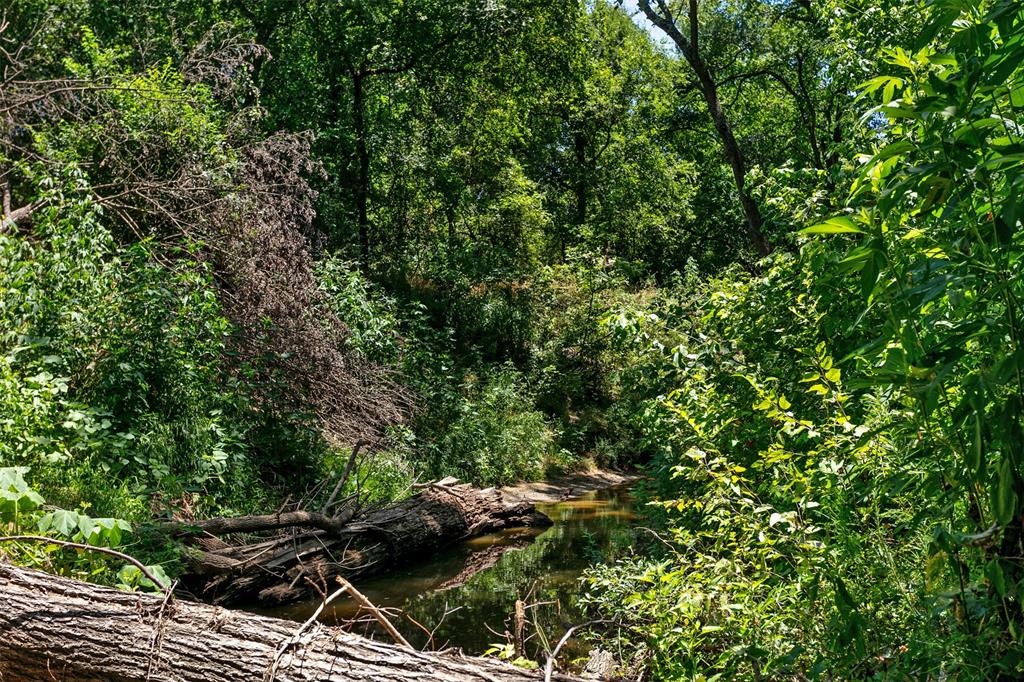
[[792, 510], [495, 436], [23, 510], [113, 380], [371, 316]]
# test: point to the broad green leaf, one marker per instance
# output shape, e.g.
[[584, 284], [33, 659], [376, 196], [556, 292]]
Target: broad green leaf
[[60, 521], [837, 225], [996, 578], [1004, 498]]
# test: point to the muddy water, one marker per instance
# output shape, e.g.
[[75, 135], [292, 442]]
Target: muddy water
[[466, 594]]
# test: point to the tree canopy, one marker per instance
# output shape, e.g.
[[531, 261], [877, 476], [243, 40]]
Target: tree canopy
[[766, 252]]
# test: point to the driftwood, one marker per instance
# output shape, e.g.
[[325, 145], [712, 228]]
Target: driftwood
[[365, 603], [302, 564], [59, 629]]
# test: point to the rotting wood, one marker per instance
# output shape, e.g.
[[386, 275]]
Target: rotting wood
[[520, 628], [54, 628], [279, 570]]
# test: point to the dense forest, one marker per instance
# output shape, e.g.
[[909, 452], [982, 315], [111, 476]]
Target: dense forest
[[263, 255]]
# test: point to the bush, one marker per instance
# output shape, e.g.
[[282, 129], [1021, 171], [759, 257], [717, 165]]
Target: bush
[[793, 511], [495, 436], [372, 318], [113, 375]]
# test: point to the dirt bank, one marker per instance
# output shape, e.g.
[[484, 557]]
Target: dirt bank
[[566, 487]]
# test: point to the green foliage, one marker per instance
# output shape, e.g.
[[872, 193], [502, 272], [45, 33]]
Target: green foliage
[[494, 436], [371, 316], [16, 497], [937, 203], [22, 511], [851, 518], [525, 216], [752, 474], [110, 361], [476, 421]]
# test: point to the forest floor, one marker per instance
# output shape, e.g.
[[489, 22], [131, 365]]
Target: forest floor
[[566, 487]]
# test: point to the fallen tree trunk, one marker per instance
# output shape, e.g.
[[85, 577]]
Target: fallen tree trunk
[[264, 522], [59, 629], [302, 565]]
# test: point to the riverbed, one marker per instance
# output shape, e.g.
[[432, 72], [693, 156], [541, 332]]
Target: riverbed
[[464, 596]]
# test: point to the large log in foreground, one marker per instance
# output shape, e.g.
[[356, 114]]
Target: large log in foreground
[[299, 565], [59, 629]]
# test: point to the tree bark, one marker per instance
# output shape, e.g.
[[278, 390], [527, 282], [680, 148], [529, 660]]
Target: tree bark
[[690, 49], [58, 629], [264, 522], [281, 569], [363, 164]]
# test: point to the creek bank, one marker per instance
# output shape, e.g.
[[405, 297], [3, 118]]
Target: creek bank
[[567, 486], [464, 595], [294, 556], [61, 629]]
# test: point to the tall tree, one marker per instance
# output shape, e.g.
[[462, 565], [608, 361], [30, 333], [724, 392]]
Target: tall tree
[[690, 47]]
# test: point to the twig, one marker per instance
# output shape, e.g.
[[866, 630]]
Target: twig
[[495, 632], [657, 537], [90, 548], [346, 586], [421, 626], [344, 475], [272, 672], [156, 643], [447, 612], [549, 668]]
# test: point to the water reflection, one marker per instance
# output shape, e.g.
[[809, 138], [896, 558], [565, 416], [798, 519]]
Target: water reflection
[[466, 594]]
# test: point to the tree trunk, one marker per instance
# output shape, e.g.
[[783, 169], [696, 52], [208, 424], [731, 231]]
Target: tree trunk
[[363, 165], [735, 155], [281, 569], [59, 629], [690, 49]]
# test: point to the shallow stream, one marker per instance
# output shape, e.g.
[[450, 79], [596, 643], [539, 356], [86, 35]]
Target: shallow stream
[[465, 595]]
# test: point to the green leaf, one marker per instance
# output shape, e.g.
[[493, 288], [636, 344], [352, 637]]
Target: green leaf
[[994, 573], [15, 495], [977, 452], [1004, 498], [107, 532], [837, 225], [61, 521]]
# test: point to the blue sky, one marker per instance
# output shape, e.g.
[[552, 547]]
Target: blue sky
[[633, 10]]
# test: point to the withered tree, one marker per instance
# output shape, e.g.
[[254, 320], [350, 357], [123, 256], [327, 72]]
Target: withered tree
[[247, 203]]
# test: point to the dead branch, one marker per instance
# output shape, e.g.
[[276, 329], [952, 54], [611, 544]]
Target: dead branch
[[345, 474], [374, 611]]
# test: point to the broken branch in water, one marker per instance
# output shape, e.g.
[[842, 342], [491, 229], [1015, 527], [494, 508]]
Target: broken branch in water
[[346, 586], [549, 667], [520, 628], [272, 670]]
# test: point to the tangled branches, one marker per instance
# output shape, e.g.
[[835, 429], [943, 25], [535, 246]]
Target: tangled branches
[[175, 156]]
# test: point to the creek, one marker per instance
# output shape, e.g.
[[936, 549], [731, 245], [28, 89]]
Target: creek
[[464, 596]]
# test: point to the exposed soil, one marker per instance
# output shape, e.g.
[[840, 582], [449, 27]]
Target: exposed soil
[[566, 487]]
